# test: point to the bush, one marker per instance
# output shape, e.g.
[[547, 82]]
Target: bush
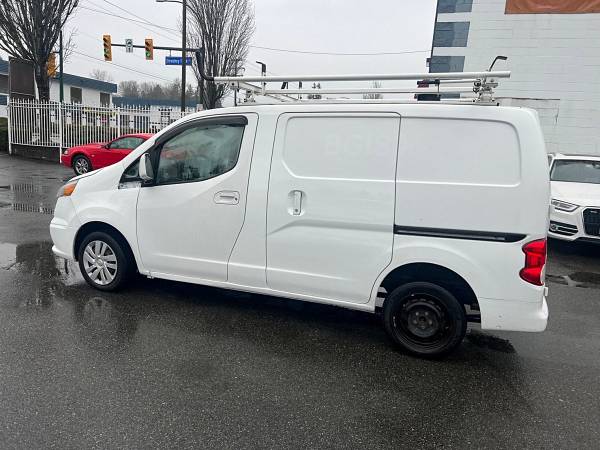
[[3, 134]]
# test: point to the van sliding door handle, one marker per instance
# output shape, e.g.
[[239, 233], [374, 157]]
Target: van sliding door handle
[[227, 197], [296, 198]]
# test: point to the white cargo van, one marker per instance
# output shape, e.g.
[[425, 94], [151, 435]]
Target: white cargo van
[[434, 214]]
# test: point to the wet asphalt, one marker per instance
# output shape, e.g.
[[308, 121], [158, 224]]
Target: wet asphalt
[[170, 365]]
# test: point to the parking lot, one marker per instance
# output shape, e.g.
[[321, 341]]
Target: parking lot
[[164, 364]]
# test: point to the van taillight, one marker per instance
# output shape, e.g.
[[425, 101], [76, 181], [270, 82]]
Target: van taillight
[[535, 259]]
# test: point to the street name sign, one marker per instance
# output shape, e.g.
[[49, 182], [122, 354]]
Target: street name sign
[[176, 60]]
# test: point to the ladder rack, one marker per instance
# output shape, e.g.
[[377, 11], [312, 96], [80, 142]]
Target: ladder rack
[[479, 84]]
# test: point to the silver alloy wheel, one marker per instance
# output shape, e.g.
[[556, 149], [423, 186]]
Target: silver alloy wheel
[[81, 166], [100, 262]]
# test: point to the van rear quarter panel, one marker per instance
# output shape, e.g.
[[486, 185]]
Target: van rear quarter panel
[[477, 169]]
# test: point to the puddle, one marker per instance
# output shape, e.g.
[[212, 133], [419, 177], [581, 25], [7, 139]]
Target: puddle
[[26, 197], [24, 187], [585, 277], [577, 279], [489, 341], [34, 257], [24, 207], [8, 255]]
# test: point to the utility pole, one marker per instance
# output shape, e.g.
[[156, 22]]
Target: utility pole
[[183, 53], [235, 90], [61, 55]]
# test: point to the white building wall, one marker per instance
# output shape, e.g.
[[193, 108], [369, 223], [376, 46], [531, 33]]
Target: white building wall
[[89, 97], [555, 64]]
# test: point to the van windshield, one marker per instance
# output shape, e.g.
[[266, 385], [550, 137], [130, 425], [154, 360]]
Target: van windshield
[[576, 171]]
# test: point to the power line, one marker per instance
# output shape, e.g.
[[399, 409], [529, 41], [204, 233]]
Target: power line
[[140, 17], [284, 50], [123, 67], [139, 22]]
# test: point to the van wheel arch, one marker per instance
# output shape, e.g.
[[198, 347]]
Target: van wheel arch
[[436, 274], [91, 227]]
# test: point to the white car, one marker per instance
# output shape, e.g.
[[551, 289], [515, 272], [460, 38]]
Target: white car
[[434, 214], [575, 187]]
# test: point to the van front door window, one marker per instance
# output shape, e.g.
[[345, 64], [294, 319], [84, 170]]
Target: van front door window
[[199, 153]]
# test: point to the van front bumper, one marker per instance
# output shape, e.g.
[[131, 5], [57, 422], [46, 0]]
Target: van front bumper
[[63, 228], [513, 315]]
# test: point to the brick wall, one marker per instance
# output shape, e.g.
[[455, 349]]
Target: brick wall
[[555, 64]]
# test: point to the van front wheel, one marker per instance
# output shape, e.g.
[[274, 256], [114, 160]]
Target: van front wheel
[[424, 319], [103, 262]]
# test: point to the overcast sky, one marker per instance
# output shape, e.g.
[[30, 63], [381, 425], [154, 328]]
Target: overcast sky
[[344, 26]]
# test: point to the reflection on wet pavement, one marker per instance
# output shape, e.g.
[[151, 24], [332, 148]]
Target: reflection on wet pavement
[[51, 274], [26, 197], [8, 255], [573, 264], [489, 341]]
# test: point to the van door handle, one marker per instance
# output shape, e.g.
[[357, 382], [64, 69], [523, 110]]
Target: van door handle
[[227, 197], [296, 198]]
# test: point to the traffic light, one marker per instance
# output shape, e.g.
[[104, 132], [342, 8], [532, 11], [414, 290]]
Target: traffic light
[[149, 49], [51, 66], [107, 47]]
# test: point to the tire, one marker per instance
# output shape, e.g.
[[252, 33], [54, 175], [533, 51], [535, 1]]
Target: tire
[[424, 319], [81, 165], [104, 262]]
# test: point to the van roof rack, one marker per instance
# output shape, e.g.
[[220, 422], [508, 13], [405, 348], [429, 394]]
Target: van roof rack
[[479, 84]]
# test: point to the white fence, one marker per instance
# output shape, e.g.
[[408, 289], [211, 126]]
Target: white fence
[[62, 125]]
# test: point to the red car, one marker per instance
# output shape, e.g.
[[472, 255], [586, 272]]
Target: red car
[[101, 154]]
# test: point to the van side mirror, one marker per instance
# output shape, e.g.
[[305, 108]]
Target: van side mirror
[[146, 170]]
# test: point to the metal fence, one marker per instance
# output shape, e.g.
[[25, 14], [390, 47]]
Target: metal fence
[[52, 124]]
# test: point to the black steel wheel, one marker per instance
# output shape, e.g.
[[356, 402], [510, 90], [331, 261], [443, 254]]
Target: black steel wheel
[[424, 319]]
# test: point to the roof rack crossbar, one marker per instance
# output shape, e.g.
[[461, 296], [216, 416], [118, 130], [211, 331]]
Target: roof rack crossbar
[[363, 77], [453, 90]]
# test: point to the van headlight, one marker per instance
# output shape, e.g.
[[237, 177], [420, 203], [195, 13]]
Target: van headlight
[[67, 189], [559, 205]]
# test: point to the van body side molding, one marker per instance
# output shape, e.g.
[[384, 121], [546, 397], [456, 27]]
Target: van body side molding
[[459, 234]]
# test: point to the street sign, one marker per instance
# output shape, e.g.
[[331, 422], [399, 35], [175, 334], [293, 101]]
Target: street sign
[[128, 45], [176, 60]]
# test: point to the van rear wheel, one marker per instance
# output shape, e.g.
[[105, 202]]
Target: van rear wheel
[[424, 319]]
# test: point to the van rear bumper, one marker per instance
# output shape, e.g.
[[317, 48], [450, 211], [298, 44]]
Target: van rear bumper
[[513, 315]]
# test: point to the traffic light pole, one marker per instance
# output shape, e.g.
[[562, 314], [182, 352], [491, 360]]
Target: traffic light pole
[[183, 49]]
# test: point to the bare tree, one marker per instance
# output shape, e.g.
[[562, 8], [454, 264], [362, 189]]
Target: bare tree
[[29, 30], [373, 95], [150, 90], [224, 28], [129, 88], [101, 75]]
